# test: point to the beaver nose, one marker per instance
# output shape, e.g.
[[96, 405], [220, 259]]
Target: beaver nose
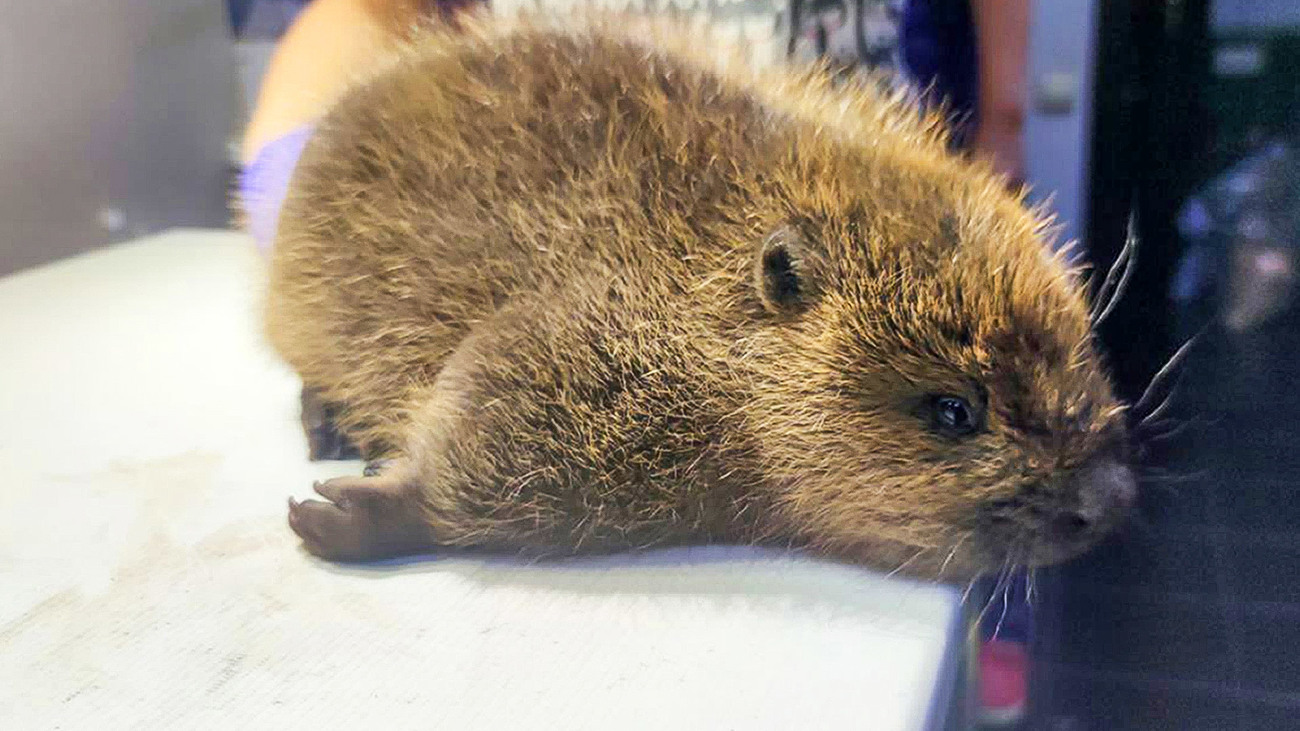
[[1106, 490]]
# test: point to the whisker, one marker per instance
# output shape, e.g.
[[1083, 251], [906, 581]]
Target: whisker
[[1164, 406], [1165, 488], [1156, 475], [1006, 601], [1105, 291], [1170, 365], [953, 552], [1111, 292], [1168, 487], [1003, 575], [1165, 436], [1159, 427], [907, 563]]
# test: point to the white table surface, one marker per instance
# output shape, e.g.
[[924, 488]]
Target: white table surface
[[148, 441]]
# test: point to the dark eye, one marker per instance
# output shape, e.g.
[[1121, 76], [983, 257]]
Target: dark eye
[[954, 415]]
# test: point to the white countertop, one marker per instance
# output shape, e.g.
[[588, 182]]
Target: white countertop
[[148, 441]]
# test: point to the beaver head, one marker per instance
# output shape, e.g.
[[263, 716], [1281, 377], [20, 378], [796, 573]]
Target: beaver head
[[928, 374]]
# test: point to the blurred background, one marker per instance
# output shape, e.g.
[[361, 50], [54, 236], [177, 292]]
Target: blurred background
[[124, 119]]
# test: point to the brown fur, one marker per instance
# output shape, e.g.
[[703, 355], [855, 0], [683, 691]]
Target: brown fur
[[523, 261]]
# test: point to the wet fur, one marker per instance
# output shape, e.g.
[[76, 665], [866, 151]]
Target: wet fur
[[523, 261]]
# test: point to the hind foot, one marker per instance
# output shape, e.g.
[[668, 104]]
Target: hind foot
[[362, 518]]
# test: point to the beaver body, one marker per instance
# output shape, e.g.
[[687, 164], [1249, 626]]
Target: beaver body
[[587, 294]]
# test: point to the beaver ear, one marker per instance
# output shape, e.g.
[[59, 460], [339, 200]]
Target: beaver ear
[[786, 272]]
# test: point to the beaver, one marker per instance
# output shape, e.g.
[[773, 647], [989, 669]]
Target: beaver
[[578, 291]]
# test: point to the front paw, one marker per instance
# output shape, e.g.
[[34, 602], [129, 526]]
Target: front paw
[[361, 519]]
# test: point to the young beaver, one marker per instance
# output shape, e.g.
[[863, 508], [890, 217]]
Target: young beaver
[[587, 293]]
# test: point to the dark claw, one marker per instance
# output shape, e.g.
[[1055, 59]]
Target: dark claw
[[374, 467], [324, 440]]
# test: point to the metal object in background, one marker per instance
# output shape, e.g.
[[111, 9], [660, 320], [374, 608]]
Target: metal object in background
[[1058, 113], [1056, 93], [116, 122]]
